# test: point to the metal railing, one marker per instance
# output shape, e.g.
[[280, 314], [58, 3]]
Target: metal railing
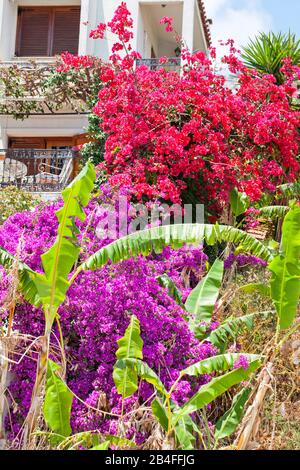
[[36, 170], [173, 63]]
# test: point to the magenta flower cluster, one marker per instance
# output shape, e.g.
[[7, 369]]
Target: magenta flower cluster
[[243, 261], [97, 312]]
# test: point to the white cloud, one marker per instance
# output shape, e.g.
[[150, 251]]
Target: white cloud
[[237, 22]]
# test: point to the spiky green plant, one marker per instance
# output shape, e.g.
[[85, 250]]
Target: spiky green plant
[[267, 51]]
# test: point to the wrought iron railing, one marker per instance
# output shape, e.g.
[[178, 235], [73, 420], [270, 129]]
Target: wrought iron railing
[[37, 170], [172, 63]]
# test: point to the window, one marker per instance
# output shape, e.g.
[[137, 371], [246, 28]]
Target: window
[[47, 31]]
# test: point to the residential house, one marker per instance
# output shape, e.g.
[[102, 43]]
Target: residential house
[[41, 29]]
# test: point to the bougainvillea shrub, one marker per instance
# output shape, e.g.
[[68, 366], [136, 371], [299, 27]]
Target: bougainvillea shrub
[[97, 312], [189, 136]]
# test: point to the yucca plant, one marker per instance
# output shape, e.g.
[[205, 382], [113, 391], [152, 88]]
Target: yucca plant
[[267, 51]]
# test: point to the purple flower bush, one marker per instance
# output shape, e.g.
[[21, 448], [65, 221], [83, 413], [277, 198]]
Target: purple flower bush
[[243, 261], [96, 314]]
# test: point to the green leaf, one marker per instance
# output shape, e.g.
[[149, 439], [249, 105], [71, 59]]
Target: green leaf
[[216, 387], [184, 428], [202, 299], [229, 422], [266, 53], [230, 329], [274, 212], [290, 190], [219, 363], [104, 446], [145, 241], [174, 292], [160, 413], [60, 259], [239, 202], [130, 347], [143, 371], [58, 402], [285, 281]]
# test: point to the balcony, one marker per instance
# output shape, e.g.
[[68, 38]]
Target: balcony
[[34, 170], [172, 64]]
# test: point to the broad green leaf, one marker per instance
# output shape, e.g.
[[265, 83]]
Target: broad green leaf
[[155, 239], [160, 413], [290, 190], [216, 387], [285, 268], [229, 422], [274, 212], [218, 363], [184, 429], [130, 347], [143, 371], [201, 301], [230, 329], [60, 259], [239, 202], [58, 402], [147, 374], [174, 292]]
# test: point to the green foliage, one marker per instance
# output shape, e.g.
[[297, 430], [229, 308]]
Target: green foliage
[[274, 212], [229, 422], [289, 190], [216, 387], [201, 301], [239, 202], [155, 239], [130, 347], [230, 329], [218, 363], [285, 268], [160, 413], [14, 200], [266, 53], [174, 292], [170, 416], [58, 402]]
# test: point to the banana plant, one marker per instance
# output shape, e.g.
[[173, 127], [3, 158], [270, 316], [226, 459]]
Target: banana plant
[[202, 300], [239, 202], [285, 269], [48, 291], [176, 420], [284, 286]]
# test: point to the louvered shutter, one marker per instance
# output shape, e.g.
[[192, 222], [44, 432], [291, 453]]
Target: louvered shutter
[[33, 32], [66, 31]]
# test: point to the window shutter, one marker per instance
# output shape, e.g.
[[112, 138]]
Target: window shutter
[[33, 32], [66, 31]]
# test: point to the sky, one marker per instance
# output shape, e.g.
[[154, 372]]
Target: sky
[[241, 19]]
